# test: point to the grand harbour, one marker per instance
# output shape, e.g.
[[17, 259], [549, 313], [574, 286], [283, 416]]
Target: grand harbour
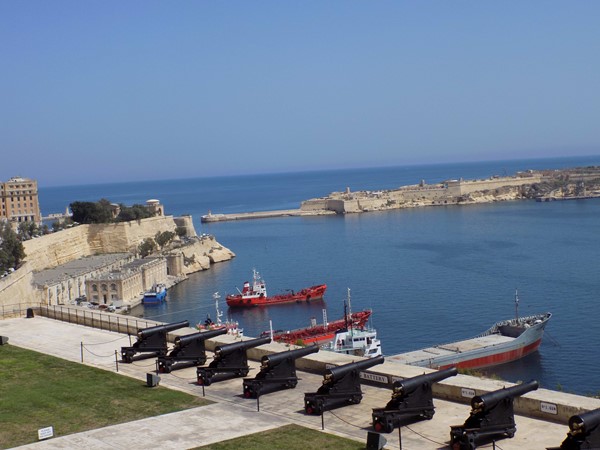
[[436, 252]]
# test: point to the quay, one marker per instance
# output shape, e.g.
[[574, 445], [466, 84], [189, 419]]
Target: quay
[[262, 215], [541, 416]]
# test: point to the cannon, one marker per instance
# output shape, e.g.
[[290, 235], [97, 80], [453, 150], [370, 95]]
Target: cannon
[[584, 432], [491, 417], [189, 351], [277, 371], [229, 359], [412, 400], [341, 386], [151, 340]]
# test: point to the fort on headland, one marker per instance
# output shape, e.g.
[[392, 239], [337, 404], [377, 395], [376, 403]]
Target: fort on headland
[[541, 185]]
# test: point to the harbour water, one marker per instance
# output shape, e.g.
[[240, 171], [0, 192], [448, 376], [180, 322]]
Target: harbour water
[[431, 275]]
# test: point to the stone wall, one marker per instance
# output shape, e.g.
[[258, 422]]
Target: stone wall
[[16, 290], [73, 243], [83, 240]]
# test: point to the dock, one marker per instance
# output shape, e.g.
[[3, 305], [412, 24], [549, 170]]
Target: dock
[[262, 215]]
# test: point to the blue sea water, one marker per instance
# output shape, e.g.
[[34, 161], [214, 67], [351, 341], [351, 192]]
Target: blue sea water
[[431, 275]]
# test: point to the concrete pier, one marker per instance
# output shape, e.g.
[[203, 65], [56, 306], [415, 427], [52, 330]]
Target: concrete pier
[[262, 215]]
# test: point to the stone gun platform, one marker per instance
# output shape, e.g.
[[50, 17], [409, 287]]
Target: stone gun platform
[[232, 415]]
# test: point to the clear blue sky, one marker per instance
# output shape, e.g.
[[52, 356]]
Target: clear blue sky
[[101, 91]]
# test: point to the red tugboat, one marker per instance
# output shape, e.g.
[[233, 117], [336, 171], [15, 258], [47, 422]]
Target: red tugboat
[[256, 295], [320, 334]]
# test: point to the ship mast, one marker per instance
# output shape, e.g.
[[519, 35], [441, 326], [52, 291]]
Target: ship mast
[[216, 296], [349, 316], [516, 307]]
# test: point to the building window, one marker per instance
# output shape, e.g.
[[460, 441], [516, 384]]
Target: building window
[[113, 287], [95, 288], [104, 287]]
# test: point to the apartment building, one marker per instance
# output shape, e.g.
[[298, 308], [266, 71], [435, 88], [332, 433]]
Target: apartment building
[[19, 201]]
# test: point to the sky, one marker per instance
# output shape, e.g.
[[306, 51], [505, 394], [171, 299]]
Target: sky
[[103, 91]]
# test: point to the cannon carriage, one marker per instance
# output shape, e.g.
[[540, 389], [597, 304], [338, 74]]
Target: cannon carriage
[[188, 351], [277, 372], [412, 399], [341, 386], [230, 360], [491, 417], [152, 341], [584, 432]]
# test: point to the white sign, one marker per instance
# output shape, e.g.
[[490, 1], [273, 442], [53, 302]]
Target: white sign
[[469, 393], [549, 408], [373, 377], [45, 433]]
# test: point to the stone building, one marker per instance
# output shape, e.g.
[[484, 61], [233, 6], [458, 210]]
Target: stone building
[[64, 283], [19, 201], [127, 283]]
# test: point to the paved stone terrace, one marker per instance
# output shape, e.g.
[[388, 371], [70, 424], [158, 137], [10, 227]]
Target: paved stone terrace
[[232, 415]]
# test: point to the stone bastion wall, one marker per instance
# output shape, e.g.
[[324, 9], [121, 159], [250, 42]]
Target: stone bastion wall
[[17, 290]]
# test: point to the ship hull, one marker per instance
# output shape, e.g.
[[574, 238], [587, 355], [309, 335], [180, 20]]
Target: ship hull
[[321, 334], [305, 295], [155, 297], [498, 345]]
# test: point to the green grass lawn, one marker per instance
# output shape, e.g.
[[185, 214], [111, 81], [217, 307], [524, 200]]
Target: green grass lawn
[[290, 437], [38, 391]]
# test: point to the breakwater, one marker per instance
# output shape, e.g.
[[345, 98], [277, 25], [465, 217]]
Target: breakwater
[[208, 218]]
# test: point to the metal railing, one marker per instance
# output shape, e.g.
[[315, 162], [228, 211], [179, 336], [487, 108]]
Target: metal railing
[[80, 316]]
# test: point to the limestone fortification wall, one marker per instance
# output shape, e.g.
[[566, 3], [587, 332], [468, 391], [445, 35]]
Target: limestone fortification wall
[[16, 291], [467, 187], [84, 240]]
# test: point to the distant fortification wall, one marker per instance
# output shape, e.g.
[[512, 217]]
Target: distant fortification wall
[[84, 240]]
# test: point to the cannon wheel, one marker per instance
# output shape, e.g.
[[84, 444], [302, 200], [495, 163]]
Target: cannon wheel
[[356, 399]]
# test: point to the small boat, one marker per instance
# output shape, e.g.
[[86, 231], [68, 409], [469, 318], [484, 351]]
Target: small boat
[[231, 326], [320, 334], [156, 295], [355, 341], [505, 341], [256, 294]]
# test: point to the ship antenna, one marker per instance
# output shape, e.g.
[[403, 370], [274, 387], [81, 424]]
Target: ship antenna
[[216, 296], [517, 306], [349, 311]]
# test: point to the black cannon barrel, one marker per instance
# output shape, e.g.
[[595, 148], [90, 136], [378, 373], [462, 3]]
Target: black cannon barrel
[[145, 332], [586, 422], [242, 345], [203, 335], [491, 399], [410, 384], [277, 358], [340, 371]]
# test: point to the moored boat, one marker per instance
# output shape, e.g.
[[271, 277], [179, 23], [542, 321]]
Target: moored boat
[[255, 294], [321, 334], [505, 341], [232, 327], [354, 340], [157, 294]]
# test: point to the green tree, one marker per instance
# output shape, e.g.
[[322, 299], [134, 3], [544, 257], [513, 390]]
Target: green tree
[[134, 212], [164, 238], [12, 251], [147, 247], [27, 230], [92, 212], [181, 231]]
